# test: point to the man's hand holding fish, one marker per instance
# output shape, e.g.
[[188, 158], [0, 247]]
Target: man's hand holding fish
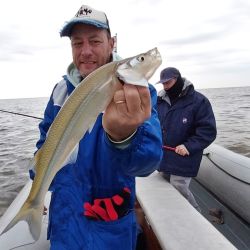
[[130, 107]]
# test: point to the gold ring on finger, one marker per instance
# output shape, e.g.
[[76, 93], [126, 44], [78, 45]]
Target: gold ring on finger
[[119, 102]]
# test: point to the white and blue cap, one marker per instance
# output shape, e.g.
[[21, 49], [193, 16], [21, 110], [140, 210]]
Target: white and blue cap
[[86, 15]]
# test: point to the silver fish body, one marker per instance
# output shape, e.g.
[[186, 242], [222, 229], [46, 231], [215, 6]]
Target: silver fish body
[[76, 117]]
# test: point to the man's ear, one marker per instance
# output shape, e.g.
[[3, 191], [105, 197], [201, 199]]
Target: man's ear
[[112, 42]]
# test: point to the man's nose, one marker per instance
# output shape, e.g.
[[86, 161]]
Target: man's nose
[[86, 49]]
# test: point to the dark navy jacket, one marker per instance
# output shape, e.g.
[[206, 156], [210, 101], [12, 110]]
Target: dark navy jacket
[[190, 121]]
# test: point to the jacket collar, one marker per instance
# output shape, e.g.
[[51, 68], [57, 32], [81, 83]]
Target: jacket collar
[[188, 86]]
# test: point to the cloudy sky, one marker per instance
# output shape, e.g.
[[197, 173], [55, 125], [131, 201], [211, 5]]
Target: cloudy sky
[[209, 41]]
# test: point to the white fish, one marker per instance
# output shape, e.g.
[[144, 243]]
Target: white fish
[[77, 116]]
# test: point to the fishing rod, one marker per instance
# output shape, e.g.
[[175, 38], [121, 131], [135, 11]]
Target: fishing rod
[[169, 148], [15, 113]]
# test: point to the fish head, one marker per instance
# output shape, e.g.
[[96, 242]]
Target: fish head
[[139, 69]]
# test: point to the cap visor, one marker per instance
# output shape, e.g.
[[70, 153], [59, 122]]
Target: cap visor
[[165, 80], [158, 82], [66, 30]]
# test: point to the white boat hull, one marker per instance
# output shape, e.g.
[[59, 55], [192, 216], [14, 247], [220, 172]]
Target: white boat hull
[[227, 175]]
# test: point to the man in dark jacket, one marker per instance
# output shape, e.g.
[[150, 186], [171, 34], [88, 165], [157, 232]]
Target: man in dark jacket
[[188, 127]]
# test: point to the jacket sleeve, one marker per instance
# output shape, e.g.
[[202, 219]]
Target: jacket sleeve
[[204, 128], [144, 153]]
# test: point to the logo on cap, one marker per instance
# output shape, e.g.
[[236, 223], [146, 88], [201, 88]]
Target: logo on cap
[[86, 15], [84, 11]]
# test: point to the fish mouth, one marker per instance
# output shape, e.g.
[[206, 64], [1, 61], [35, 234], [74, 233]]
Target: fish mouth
[[155, 53]]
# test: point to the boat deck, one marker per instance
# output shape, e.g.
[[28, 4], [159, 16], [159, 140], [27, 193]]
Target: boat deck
[[235, 229], [175, 223]]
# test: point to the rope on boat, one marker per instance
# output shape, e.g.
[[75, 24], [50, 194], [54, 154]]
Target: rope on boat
[[15, 113], [208, 157]]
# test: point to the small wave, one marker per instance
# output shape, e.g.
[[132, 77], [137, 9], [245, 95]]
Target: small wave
[[3, 130], [7, 173], [244, 107], [245, 96]]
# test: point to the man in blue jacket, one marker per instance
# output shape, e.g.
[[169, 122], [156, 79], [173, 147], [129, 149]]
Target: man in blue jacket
[[93, 195], [188, 127]]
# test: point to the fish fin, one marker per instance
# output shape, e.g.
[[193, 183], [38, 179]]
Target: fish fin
[[91, 127], [32, 168], [34, 160], [72, 156], [91, 124], [32, 215]]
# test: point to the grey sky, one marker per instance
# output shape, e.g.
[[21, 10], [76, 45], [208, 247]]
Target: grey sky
[[207, 40]]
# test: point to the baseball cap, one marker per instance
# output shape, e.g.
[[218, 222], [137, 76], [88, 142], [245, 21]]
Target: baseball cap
[[86, 15], [168, 74]]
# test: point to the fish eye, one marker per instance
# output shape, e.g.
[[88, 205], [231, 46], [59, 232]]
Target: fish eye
[[140, 58]]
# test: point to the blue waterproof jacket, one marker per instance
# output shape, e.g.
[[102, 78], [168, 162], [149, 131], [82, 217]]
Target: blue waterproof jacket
[[190, 121], [97, 169]]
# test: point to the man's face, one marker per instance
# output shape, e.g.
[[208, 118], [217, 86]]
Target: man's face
[[91, 47], [169, 84]]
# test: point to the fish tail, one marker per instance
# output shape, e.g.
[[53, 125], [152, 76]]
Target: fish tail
[[32, 215]]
